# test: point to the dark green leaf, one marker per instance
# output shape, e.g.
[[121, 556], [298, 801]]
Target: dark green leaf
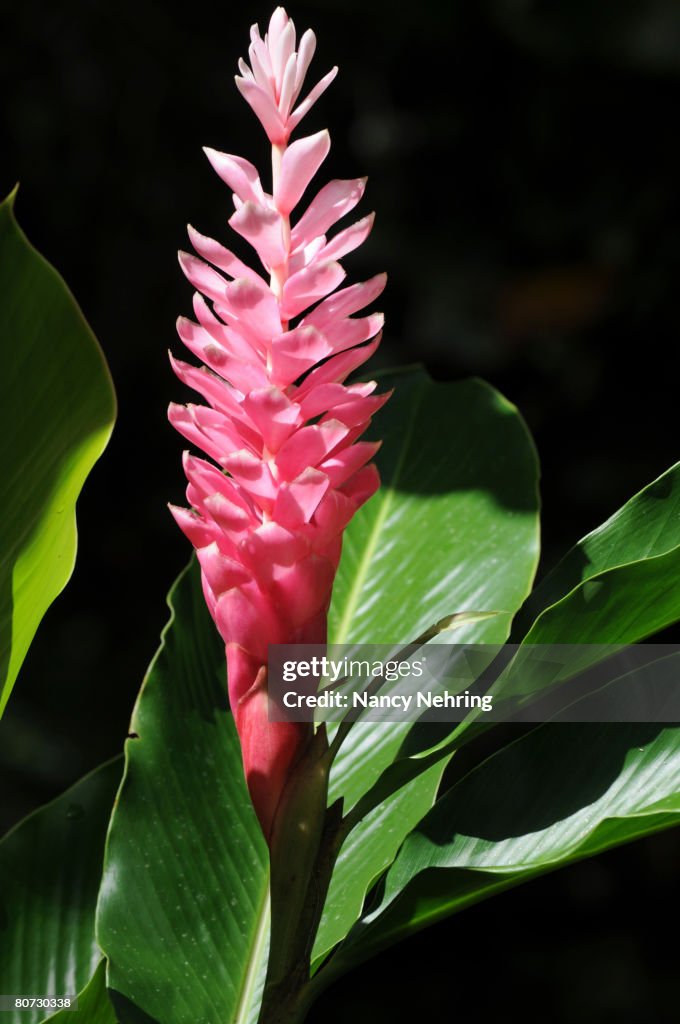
[[183, 912], [50, 868], [561, 793], [94, 1006], [619, 606], [617, 584]]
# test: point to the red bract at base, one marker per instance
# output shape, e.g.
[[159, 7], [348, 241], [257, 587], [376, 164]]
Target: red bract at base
[[281, 426]]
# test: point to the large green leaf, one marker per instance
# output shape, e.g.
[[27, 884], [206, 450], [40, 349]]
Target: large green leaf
[[50, 868], [183, 914], [618, 584], [454, 528], [521, 814], [57, 408]]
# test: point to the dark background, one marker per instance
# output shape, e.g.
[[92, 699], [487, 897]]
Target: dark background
[[522, 159]]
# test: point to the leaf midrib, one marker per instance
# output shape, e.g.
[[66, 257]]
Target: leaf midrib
[[258, 949], [369, 549]]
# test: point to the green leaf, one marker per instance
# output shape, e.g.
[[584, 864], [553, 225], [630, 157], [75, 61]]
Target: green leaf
[[183, 911], [620, 606], [369, 850], [453, 529], [57, 408], [94, 1006], [617, 584], [50, 868], [521, 814]]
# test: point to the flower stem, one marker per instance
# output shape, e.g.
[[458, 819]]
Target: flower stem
[[303, 851]]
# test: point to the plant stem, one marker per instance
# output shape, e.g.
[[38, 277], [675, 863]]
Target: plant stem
[[305, 843]]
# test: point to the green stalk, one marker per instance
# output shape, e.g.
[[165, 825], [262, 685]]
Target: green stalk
[[303, 849]]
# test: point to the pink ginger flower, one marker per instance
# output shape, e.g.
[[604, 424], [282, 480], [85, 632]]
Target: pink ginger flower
[[280, 423]]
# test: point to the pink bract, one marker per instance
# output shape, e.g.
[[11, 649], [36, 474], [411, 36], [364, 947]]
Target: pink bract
[[281, 426]]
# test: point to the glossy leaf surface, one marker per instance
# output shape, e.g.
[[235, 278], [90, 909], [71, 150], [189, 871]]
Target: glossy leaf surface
[[50, 869], [57, 408]]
